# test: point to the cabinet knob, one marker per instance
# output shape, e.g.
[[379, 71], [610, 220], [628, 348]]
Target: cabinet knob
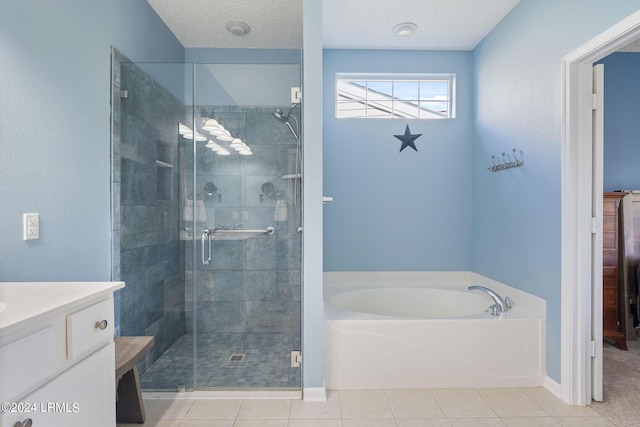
[[102, 325]]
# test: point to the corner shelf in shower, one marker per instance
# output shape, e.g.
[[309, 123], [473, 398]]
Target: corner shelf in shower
[[161, 164], [164, 171]]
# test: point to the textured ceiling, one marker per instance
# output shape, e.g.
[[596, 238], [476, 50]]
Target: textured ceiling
[[631, 47], [361, 24], [201, 23], [442, 24]]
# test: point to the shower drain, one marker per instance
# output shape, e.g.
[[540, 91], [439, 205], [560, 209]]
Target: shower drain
[[236, 357]]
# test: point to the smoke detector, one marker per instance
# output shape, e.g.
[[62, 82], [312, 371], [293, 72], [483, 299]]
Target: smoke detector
[[405, 29], [238, 28]]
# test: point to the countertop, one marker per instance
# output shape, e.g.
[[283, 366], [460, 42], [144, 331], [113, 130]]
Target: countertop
[[22, 301]]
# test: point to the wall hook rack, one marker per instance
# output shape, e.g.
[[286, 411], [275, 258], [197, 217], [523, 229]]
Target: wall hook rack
[[507, 162]]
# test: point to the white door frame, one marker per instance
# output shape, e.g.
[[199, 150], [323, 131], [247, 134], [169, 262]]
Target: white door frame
[[597, 204], [576, 196]]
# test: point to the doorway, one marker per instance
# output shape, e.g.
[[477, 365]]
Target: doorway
[[581, 352]]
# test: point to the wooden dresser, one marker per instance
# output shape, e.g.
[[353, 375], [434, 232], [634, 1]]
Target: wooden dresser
[[612, 244]]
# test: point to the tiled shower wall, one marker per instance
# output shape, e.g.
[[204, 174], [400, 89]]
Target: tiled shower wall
[[147, 252], [251, 285]]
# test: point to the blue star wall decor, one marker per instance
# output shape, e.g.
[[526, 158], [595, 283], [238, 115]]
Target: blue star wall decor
[[408, 140]]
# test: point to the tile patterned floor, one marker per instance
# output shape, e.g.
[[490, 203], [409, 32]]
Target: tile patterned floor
[[265, 362], [511, 407]]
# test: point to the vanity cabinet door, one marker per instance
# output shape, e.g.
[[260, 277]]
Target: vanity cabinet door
[[24, 366], [81, 396]]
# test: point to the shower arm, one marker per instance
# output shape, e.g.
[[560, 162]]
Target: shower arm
[[297, 133], [292, 130]]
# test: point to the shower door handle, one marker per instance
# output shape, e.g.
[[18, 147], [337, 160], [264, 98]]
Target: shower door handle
[[206, 235]]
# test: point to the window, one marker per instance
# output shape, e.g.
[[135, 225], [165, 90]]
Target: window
[[407, 96]]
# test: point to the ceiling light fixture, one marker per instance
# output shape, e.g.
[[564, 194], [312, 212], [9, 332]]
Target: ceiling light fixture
[[238, 28], [405, 29]]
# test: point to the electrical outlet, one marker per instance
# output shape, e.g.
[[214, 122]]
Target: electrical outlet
[[31, 226]]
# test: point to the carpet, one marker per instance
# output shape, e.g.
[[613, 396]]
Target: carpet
[[621, 385]]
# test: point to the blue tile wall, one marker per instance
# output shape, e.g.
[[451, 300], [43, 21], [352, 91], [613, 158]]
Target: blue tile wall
[[148, 254], [252, 285]]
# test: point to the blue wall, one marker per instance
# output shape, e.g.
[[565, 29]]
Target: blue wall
[[243, 56], [515, 230], [392, 210], [621, 124], [55, 120], [245, 77]]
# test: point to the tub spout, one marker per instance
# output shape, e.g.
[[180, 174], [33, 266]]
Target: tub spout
[[501, 306]]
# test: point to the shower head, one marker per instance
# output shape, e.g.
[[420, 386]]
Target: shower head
[[278, 114], [283, 117]]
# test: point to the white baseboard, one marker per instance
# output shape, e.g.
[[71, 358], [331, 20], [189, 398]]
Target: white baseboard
[[554, 388], [314, 394]]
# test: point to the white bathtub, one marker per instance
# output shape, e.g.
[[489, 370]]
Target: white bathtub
[[426, 330]]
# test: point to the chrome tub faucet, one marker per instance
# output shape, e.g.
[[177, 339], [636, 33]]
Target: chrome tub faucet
[[500, 307]]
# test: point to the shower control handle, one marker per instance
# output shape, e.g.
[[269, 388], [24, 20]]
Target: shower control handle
[[206, 235]]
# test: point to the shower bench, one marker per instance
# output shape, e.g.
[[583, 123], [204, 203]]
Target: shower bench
[[129, 351]]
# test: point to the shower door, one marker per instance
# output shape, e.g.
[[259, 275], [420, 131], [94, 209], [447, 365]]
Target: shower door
[[206, 202], [243, 190]]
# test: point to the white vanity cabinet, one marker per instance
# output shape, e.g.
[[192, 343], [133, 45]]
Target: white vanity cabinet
[[57, 358]]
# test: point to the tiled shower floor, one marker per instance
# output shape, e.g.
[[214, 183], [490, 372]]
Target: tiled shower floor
[[265, 362]]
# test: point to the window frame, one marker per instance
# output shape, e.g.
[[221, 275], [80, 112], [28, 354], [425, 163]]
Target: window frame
[[389, 104]]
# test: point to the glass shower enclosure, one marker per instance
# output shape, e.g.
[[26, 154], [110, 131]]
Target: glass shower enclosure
[[206, 208]]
